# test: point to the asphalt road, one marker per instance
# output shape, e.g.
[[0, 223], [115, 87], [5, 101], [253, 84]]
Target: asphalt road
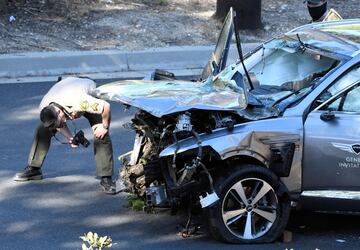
[[54, 212]]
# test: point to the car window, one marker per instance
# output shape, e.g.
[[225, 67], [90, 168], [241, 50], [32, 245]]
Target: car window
[[346, 102], [348, 79], [352, 101]]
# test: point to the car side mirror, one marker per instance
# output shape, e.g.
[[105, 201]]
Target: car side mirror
[[327, 116]]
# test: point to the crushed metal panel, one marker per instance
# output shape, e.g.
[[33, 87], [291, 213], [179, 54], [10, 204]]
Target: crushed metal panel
[[166, 97], [253, 139]]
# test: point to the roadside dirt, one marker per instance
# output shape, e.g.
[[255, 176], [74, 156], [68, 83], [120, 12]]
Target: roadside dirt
[[138, 24]]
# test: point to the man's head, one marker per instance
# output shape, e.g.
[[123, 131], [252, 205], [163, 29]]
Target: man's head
[[317, 8], [52, 117]]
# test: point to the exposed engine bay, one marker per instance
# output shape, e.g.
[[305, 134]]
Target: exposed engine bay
[[146, 175]]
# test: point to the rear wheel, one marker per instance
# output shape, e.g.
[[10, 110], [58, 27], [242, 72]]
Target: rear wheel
[[254, 206]]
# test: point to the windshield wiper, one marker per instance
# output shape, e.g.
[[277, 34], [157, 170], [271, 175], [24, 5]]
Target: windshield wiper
[[309, 88], [302, 44]]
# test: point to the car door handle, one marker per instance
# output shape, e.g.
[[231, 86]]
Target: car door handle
[[327, 116]]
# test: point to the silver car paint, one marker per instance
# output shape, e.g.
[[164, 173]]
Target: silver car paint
[[335, 166], [253, 139], [160, 98], [329, 138]]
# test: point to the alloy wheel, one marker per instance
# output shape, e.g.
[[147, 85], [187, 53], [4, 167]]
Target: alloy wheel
[[249, 208]]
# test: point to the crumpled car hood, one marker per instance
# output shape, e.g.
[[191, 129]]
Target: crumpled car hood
[[160, 98]]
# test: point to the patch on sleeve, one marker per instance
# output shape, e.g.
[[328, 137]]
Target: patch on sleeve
[[95, 106], [84, 105]]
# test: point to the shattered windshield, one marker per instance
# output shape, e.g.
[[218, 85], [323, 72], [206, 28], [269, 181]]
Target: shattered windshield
[[282, 69]]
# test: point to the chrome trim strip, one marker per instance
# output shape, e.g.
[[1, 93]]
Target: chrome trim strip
[[334, 194]]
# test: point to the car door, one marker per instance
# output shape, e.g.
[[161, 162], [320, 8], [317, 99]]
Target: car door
[[332, 137]]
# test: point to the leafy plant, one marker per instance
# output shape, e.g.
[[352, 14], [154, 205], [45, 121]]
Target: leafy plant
[[134, 202], [95, 241]]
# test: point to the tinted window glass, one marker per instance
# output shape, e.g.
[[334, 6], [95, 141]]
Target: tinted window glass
[[352, 101], [347, 102], [333, 106], [345, 81]]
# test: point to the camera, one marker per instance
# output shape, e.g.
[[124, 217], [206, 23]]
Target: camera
[[79, 138]]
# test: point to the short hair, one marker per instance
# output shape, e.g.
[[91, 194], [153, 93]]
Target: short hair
[[48, 116]]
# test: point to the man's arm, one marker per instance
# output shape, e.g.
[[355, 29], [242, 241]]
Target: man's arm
[[68, 135], [106, 115], [100, 130]]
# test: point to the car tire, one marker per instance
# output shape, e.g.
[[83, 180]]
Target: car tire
[[236, 219]]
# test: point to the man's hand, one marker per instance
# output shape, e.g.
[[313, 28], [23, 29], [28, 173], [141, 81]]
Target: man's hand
[[99, 131], [66, 132], [72, 144]]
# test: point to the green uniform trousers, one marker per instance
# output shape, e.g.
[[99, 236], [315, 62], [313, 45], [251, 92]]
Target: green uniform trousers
[[102, 148]]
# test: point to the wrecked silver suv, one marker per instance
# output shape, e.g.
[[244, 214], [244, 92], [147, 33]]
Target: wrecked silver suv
[[275, 129]]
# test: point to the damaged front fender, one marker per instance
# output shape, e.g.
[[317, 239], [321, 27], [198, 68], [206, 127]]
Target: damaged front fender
[[262, 140]]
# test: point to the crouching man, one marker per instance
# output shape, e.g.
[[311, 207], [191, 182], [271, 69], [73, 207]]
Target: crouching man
[[70, 99]]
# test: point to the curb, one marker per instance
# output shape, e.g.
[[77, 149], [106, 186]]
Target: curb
[[106, 64]]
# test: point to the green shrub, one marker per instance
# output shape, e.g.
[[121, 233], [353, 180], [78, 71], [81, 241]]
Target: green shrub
[[134, 202]]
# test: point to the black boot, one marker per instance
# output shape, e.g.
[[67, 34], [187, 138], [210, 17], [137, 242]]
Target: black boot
[[29, 173], [107, 185]]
